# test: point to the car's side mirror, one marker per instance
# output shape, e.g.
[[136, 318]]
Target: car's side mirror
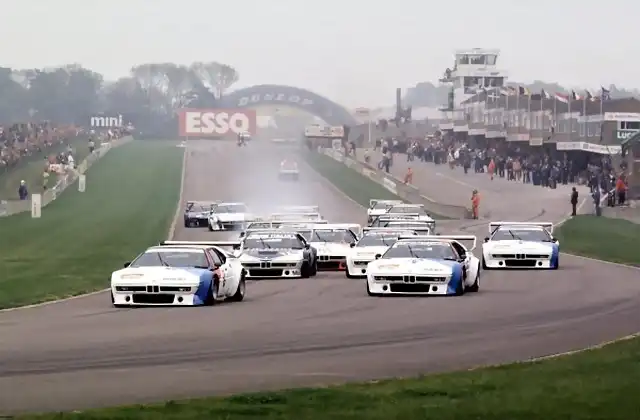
[[215, 267], [554, 239], [127, 264], [378, 256], [486, 239], [307, 246], [236, 247], [352, 244]]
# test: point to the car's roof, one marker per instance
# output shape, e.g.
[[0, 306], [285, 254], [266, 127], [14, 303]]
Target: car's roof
[[164, 248], [229, 203]]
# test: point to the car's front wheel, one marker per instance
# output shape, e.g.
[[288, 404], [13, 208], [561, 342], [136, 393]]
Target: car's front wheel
[[240, 291], [476, 284], [212, 293]]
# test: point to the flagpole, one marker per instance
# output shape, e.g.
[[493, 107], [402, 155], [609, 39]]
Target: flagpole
[[529, 115], [518, 109], [555, 113], [570, 120], [584, 113]]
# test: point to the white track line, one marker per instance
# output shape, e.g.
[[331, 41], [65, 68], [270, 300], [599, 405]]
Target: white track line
[[172, 229]]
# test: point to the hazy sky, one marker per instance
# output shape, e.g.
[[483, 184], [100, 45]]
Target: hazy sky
[[355, 52]]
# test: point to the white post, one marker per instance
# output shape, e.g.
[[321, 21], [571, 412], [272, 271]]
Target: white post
[[369, 130], [36, 206], [82, 183]]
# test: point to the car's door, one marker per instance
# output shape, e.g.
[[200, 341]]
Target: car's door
[[306, 248], [465, 257], [223, 272]]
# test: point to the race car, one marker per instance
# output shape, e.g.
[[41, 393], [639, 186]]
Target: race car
[[374, 241], [524, 245], [378, 207], [425, 265], [229, 216], [288, 171], [398, 220], [333, 242], [196, 213], [417, 210], [180, 273], [276, 253]]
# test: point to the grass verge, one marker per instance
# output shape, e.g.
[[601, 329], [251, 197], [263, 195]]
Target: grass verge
[[31, 170], [129, 203], [585, 235], [358, 187], [596, 384]]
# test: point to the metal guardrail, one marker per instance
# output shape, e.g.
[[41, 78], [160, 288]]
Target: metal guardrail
[[398, 187], [10, 207]]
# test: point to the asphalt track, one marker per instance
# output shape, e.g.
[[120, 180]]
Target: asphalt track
[[83, 353]]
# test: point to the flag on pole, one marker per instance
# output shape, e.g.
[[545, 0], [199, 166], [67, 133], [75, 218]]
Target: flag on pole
[[605, 95]]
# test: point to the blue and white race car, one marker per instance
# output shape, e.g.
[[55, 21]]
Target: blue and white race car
[[425, 265], [180, 273], [522, 245]]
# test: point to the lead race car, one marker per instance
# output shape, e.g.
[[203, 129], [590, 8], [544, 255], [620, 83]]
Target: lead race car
[[276, 253], [374, 241], [378, 207], [181, 273], [229, 216], [523, 245], [288, 170], [425, 265]]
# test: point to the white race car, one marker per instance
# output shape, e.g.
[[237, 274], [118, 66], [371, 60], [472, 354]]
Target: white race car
[[524, 245], [180, 273], [417, 210], [378, 207], [373, 242], [403, 222], [333, 243], [230, 216], [425, 265], [288, 170], [276, 253]]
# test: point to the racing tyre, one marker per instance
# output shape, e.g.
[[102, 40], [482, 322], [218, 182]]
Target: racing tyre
[[484, 264], [186, 224], [314, 268], [240, 291], [210, 228], [349, 276], [476, 285], [305, 272], [460, 289], [212, 293]]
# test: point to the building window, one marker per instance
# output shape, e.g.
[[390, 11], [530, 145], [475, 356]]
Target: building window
[[591, 132], [629, 125], [581, 127]]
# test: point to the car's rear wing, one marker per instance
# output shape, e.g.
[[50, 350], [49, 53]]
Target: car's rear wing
[[295, 216], [458, 238], [354, 227], [222, 244], [300, 209], [374, 201], [493, 226]]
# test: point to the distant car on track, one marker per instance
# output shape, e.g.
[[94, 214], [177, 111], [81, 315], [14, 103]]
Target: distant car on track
[[521, 245], [196, 213], [333, 242], [289, 171], [180, 273], [378, 207], [425, 265]]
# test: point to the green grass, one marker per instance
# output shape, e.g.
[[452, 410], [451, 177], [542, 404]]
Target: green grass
[[32, 168], [129, 203], [355, 185], [598, 384], [360, 188], [603, 238]]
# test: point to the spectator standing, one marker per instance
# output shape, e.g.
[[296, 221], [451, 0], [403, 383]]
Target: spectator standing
[[23, 192]]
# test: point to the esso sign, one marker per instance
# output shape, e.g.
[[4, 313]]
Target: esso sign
[[217, 122]]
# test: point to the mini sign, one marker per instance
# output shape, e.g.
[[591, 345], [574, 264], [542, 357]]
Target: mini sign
[[82, 183], [36, 206]]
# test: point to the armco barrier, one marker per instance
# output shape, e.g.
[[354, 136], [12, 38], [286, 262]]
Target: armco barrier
[[7, 208], [398, 187]]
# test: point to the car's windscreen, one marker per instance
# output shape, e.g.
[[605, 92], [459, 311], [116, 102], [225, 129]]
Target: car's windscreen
[[333, 236], [381, 239], [405, 209], [426, 249], [231, 208], [272, 241], [194, 259], [381, 206], [536, 235], [199, 207]]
